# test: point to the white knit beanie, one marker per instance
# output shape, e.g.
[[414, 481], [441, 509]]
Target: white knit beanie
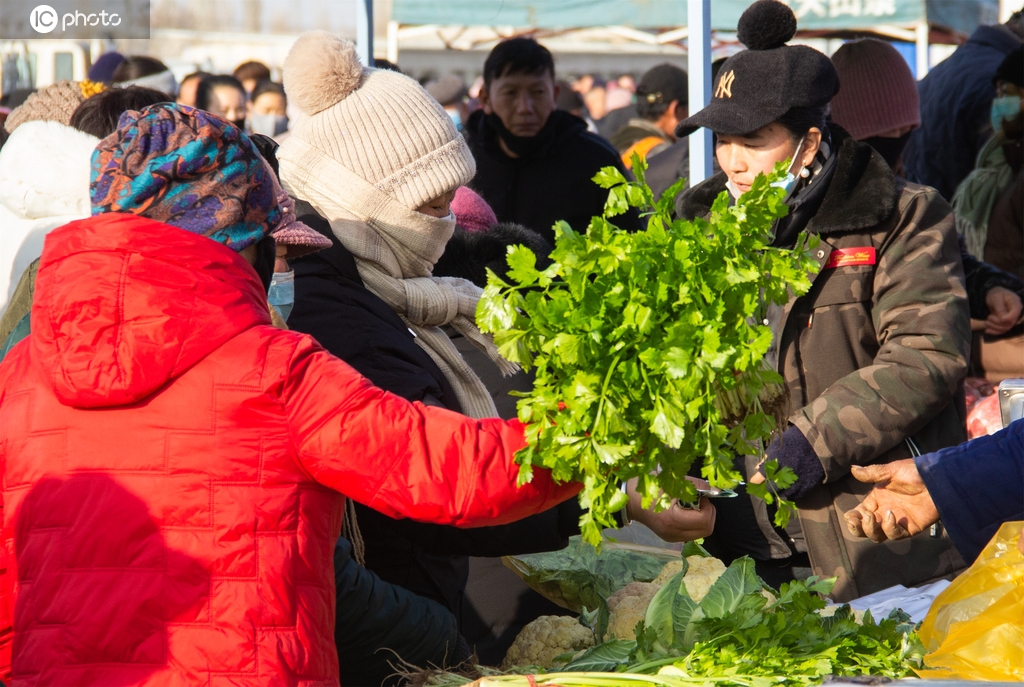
[[379, 124]]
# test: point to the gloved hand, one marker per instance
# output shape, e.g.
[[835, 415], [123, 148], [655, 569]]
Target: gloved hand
[[793, 451]]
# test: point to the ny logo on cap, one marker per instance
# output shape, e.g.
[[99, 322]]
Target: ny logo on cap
[[724, 89]]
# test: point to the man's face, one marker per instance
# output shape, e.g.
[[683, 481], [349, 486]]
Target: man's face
[[523, 102]]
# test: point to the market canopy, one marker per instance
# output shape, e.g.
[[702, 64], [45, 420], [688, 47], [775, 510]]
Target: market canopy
[[960, 16]]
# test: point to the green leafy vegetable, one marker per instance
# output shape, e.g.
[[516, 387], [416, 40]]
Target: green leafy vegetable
[[649, 347]]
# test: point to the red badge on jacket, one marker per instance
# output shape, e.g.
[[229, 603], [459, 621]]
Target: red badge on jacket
[[848, 257]]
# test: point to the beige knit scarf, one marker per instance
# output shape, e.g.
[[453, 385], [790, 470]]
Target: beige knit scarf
[[395, 250]]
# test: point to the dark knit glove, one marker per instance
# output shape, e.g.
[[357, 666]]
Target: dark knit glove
[[792, 451]]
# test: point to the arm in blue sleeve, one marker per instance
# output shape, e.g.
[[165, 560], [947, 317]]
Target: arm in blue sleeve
[[977, 486]]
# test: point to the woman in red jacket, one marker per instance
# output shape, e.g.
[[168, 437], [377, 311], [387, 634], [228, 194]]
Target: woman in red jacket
[[174, 467]]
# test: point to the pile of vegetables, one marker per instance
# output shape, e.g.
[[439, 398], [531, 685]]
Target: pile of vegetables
[[711, 625], [649, 347]]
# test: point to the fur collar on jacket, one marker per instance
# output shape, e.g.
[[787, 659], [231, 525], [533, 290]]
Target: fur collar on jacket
[[863, 192]]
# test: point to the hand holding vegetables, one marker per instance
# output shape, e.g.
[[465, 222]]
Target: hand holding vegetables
[[649, 347]]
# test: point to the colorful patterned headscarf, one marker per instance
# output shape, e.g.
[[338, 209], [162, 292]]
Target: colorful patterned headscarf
[[187, 168]]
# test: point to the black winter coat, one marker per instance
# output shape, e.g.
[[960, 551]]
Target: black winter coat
[[554, 184], [333, 306]]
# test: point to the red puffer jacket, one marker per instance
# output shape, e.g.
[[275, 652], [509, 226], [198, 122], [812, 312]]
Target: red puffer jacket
[[172, 468]]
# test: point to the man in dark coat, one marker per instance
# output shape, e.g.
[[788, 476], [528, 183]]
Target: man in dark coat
[[956, 98], [535, 164]]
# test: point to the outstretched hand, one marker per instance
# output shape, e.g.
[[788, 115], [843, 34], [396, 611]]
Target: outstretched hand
[[675, 523], [898, 507]]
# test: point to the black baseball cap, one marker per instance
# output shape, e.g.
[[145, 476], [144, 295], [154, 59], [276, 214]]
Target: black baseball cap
[[663, 84], [757, 86]]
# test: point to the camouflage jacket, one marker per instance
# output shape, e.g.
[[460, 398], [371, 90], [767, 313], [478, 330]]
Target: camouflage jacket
[[874, 356]]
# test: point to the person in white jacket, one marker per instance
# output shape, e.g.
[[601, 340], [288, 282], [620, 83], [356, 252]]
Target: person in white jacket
[[44, 183]]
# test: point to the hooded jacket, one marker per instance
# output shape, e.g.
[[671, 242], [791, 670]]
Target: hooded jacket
[[175, 467], [44, 183], [874, 356]]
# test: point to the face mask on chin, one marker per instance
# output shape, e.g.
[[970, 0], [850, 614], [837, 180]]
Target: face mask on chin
[[521, 146], [268, 124]]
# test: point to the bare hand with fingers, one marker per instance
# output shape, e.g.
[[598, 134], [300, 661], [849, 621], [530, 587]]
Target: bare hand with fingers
[[675, 523], [898, 507]]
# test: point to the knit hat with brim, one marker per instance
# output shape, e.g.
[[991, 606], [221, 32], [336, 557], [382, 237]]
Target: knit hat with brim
[[187, 168], [879, 93], [757, 86], [380, 125], [54, 103]]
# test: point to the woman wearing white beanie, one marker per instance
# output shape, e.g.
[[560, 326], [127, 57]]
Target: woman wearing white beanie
[[374, 163]]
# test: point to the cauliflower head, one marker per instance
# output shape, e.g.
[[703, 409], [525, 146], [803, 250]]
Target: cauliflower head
[[544, 639], [668, 572], [702, 573]]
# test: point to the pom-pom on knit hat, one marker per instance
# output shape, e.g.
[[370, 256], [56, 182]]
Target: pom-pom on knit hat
[[472, 212], [54, 103], [380, 125], [757, 86], [878, 94]]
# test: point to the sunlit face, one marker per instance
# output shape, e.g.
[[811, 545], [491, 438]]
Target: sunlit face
[[228, 103], [523, 102], [187, 91], [742, 158], [269, 103], [438, 207]]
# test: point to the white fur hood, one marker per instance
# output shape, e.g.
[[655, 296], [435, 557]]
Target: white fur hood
[[44, 171]]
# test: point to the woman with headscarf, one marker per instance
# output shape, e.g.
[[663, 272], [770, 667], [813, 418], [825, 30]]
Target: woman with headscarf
[[874, 355], [174, 466]]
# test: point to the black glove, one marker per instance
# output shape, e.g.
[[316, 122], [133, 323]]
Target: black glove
[[793, 451]]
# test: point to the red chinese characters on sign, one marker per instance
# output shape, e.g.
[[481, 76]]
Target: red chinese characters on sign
[[848, 257]]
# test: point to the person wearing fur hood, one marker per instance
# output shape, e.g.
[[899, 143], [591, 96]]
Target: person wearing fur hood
[[374, 165]]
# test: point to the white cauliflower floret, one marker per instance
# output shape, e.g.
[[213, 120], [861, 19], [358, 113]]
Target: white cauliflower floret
[[668, 572], [628, 607], [544, 639], [702, 573]]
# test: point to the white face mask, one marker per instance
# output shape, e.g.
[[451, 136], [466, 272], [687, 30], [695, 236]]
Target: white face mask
[[268, 124]]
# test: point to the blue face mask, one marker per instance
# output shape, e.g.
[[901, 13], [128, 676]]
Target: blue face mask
[[1005, 107], [456, 118], [788, 182], [282, 293]]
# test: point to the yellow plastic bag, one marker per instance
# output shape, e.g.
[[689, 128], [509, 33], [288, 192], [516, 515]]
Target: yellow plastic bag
[[975, 628]]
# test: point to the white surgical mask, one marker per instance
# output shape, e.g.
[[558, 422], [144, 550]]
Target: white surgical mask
[[282, 293], [268, 124], [1005, 107]]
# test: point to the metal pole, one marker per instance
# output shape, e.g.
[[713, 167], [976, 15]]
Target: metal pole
[[364, 31], [393, 41], [922, 50], [699, 68]]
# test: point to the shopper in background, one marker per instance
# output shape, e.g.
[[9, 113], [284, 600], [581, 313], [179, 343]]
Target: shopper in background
[[268, 109], [956, 99], [223, 96], [102, 70], [661, 104], [139, 70], [188, 87], [251, 73], [535, 163], [451, 92]]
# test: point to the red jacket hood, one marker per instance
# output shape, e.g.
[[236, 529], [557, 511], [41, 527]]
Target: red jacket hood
[[124, 304]]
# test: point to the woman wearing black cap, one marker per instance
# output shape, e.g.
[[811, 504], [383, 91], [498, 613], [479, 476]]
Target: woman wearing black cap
[[875, 353]]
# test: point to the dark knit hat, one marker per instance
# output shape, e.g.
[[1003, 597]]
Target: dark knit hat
[[757, 86], [663, 84], [103, 69], [1012, 68], [879, 93]]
